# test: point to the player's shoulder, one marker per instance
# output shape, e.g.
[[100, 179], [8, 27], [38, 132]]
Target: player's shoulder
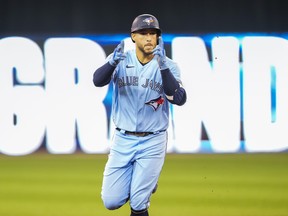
[[173, 65], [171, 61]]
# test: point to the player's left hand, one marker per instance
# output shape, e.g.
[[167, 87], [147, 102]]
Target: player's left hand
[[160, 54]]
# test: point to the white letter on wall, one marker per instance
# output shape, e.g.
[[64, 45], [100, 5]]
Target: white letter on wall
[[260, 54], [213, 94], [71, 96], [22, 122]]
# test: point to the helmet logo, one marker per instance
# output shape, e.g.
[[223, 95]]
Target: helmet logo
[[148, 20]]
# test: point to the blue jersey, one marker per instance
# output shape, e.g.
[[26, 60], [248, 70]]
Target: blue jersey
[[139, 103]]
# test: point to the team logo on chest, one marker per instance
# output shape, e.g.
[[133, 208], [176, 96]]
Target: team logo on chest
[[155, 103]]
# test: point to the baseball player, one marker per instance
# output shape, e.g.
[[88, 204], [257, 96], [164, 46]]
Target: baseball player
[[144, 81]]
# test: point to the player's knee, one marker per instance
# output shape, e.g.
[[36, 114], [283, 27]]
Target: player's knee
[[112, 203]]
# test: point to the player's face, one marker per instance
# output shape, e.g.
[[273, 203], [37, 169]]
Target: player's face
[[145, 40]]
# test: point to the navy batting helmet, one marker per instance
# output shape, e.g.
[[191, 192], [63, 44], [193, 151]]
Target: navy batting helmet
[[145, 21]]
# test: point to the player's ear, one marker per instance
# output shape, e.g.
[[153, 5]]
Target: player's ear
[[132, 37]]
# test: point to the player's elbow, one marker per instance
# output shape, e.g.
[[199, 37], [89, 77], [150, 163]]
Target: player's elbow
[[179, 98], [98, 81]]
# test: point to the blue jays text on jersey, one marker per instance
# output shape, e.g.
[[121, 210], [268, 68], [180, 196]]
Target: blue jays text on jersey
[[134, 81], [139, 102]]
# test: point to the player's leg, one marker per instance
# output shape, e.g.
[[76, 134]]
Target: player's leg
[[139, 213], [155, 189], [115, 187], [117, 174], [146, 171]]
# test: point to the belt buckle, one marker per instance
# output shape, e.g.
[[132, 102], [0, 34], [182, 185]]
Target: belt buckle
[[142, 134], [138, 134]]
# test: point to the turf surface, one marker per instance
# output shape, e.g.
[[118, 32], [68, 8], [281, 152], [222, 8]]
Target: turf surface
[[42, 184]]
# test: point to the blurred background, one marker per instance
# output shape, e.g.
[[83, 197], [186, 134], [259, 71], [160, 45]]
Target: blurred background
[[35, 22], [113, 16], [58, 179]]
